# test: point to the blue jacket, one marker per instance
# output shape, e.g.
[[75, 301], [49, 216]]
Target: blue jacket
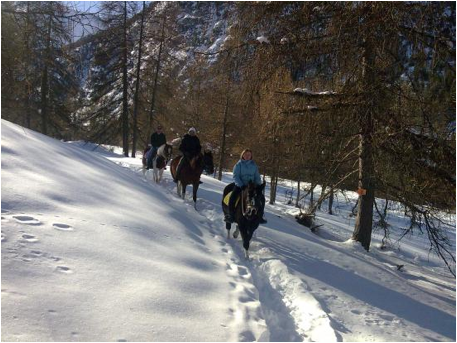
[[245, 171]]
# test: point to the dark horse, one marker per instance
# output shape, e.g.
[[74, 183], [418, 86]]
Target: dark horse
[[191, 171], [248, 212], [208, 165]]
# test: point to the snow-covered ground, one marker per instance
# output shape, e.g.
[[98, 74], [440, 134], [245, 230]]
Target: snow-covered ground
[[94, 251]]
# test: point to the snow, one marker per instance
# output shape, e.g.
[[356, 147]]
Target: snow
[[181, 55], [92, 250], [307, 91], [216, 45], [263, 39]]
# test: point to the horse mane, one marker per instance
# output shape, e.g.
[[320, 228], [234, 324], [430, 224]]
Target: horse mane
[[195, 160], [164, 150]]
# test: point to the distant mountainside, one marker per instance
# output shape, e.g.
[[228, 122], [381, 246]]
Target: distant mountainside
[[189, 27]]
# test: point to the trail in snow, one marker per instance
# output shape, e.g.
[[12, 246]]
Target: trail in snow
[[264, 293]]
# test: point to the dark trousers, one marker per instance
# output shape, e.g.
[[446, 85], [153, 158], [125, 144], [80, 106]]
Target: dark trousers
[[153, 154]]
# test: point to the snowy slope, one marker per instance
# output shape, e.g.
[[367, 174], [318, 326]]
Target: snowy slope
[[93, 251]]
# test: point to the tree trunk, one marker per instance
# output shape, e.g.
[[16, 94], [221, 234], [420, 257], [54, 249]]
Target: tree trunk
[[330, 200], [156, 78], [272, 190], [125, 116], [45, 82], [224, 131], [364, 220], [322, 196], [28, 83], [311, 199], [137, 87], [274, 182], [298, 195]]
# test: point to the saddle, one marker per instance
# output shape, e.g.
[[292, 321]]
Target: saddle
[[160, 161]]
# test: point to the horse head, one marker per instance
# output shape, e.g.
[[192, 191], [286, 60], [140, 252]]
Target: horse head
[[252, 203], [196, 161], [167, 151]]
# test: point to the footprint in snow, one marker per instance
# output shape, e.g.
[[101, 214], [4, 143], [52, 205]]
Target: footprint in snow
[[243, 271], [64, 270], [246, 336], [33, 254], [27, 220], [62, 227], [29, 238]]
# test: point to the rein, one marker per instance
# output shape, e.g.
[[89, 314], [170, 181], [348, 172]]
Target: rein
[[250, 208]]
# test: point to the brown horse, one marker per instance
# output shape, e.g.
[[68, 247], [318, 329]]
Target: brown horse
[[190, 173]]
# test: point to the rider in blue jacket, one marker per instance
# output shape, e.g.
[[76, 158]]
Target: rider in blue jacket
[[245, 170]]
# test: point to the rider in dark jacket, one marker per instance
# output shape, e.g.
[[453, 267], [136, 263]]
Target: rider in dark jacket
[[190, 147], [157, 140]]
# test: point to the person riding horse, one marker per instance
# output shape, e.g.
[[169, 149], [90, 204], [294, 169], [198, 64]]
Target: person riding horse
[[245, 170], [190, 147], [157, 140]]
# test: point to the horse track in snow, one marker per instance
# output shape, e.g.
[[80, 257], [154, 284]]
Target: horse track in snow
[[267, 302]]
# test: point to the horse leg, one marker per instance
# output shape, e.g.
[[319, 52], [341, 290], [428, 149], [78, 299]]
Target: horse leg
[[178, 188], [237, 232], [155, 175], [246, 240], [246, 236], [183, 191], [160, 174], [194, 195], [228, 226], [154, 170]]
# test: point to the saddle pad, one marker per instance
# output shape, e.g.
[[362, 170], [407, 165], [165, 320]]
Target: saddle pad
[[227, 199]]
